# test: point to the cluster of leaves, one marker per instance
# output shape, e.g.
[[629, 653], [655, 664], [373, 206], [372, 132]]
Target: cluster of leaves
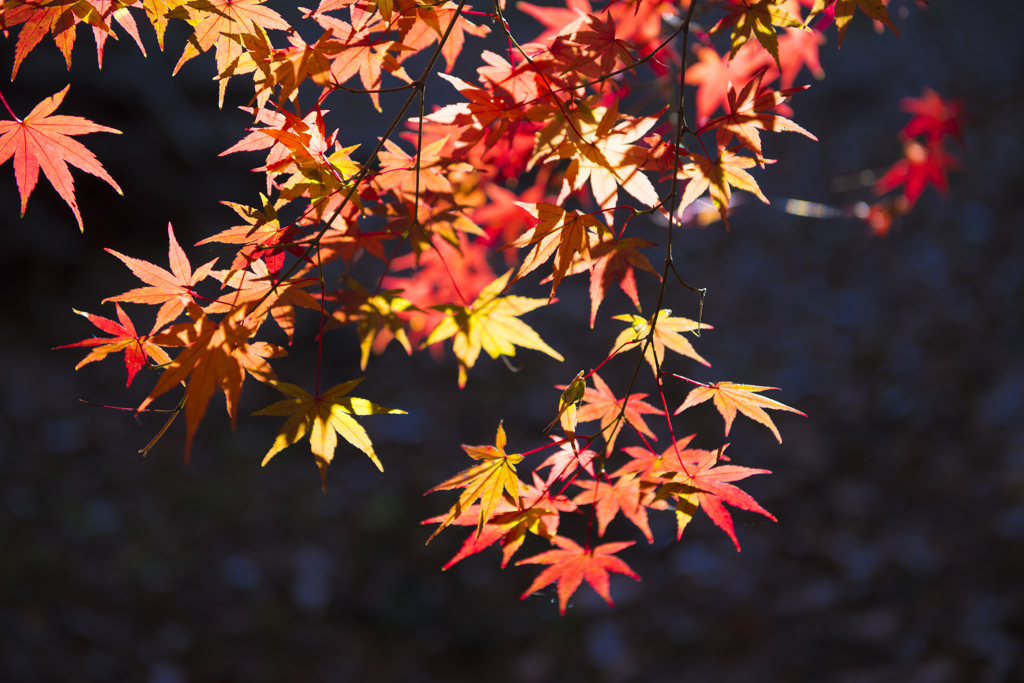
[[926, 159], [546, 118]]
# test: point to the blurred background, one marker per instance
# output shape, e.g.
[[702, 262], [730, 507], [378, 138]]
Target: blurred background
[[899, 549]]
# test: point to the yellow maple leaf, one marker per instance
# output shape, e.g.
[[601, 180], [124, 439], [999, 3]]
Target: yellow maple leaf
[[486, 481], [716, 176], [667, 334], [325, 417], [490, 323]]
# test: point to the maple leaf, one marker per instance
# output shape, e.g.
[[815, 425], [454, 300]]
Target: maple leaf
[[285, 67], [612, 259], [731, 397], [844, 10], [554, 19], [608, 499], [215, 354], [172, 291], [797, 49], [666, 335], [111, 11], [486, 482], [484, 107], [355, 51], [572, 564], [439, 18], [434, 283], [757, 18], [278, 297], [705, 486], [933, 118], [324, 417], [216, 21], [717, 177], [58, 17], [603, 43], [599, 150], [373, 314], [316, 171], [125, 339], [42, 141], [158, 12], [490, 323], [920, 167], [509, 524], [650, 466], [566, 459], [560, 233], [501, 219], [262, 230], [713, 73], [600, 403], [398, 170], [749, 112]]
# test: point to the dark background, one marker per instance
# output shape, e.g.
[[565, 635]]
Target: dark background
[[900, 543]]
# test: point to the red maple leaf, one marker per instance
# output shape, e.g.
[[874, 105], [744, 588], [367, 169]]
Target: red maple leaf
[[920, 167], [705, 485], [572, 564], [41, 141], [125, 339], [934, 117], [713, 73]]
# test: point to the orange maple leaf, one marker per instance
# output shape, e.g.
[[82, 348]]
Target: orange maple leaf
[[650, 466], [600, 403], [706, 486], [600, 150], [278, 297], [58, 17], [214, 355], [749, 112], [611, 259], [572, 564], [172, 291], [41, 141], [731, 397], [566, 459], [560, 233], [624, 494], [713, 73], [216, 21]]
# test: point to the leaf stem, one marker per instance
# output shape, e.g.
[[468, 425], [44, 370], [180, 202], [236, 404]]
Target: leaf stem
[[8, 108]]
